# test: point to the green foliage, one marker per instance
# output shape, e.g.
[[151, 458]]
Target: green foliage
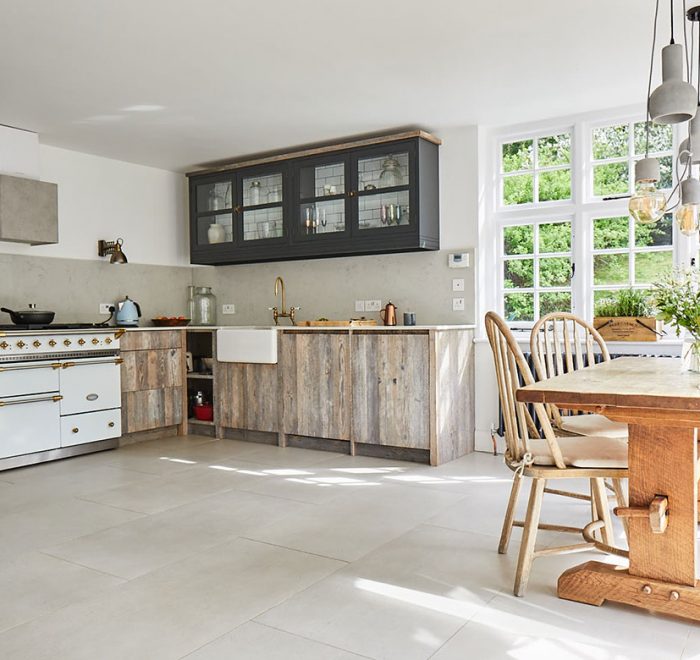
[[555, 185], [517, 156], [554, 150], [626, 302], [610, 142], [677, 298], [611, 179], [518, 189], [518, 239], [660, 138], [555, 237]]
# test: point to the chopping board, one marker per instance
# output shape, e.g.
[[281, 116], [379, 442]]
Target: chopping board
[[329, 324]]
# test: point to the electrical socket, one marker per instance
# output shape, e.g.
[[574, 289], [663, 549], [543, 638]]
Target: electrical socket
[[228, 309], [458, 284], [373, 305], [104, 308], [359, 305], [457, 304]]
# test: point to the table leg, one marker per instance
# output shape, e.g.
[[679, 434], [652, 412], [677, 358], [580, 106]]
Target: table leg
[[661, 575]]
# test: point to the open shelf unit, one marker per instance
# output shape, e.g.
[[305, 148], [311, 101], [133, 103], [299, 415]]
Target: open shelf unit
[[202, 345]]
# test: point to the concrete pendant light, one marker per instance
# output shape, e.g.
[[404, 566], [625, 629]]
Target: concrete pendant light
[[690, 147], [687, 214], [648, 204], [674, 101]]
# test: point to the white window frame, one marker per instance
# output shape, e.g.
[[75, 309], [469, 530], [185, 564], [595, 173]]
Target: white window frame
[[581, 208]]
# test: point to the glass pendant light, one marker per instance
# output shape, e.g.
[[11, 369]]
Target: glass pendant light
[[687, 214], [648, 204]]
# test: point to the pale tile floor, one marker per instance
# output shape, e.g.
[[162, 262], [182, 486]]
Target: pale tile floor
[[189, 547]]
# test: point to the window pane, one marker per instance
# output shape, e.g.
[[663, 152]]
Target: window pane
[[610, 179], [666, 167], [555, 237], [555, 302], [518, 274], [660, 233], [649, 266], [611, 233], [600, 298], [555, 271], [610, 142], [555, 185], [516, 156], [518, 239], [660, 138], [518, 189], [519, 306], [554, 150], [611, 269]]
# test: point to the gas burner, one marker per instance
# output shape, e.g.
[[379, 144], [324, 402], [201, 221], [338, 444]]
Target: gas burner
[[54, 326]]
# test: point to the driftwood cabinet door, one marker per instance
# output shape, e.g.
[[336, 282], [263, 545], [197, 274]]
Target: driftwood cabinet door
[[247, 396], [152, 379], [315, 384], [391, 389]]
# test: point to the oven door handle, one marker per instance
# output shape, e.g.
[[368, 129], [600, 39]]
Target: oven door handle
[[26, 367], [84, 363], [18, 402]]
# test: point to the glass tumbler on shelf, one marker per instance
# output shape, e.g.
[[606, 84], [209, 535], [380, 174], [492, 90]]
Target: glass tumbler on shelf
[[204, 306], [254, 193], [190, 302]]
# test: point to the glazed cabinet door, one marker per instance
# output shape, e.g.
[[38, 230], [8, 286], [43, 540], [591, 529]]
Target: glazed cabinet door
[[315, 384], [391, 389]]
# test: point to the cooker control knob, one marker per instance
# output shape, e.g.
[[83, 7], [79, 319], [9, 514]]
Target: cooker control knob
[[95, 341], [4, 345], [36, 343], [111, 425], [20, 344], [75, 429], [52, 342], [81, 341], [67, 342], [108, 340]]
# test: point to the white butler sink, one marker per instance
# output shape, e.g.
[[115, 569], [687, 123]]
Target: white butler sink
[[254, 345]]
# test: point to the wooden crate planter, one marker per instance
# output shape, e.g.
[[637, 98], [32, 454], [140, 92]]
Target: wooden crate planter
[[628, 328]]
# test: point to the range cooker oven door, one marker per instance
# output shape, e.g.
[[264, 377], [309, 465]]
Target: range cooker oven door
[[29, 424], [90, 384]]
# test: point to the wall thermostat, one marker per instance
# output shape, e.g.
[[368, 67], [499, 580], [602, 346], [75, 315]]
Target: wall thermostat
[[458, 260]]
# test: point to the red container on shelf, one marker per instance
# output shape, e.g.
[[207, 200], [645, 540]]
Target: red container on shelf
[[204, 412]]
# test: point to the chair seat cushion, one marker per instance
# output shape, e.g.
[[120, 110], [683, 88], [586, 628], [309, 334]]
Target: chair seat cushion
[[583, 452], [594, 424]]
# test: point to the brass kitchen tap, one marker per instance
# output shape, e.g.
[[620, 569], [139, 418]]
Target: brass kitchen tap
[[276, 312]]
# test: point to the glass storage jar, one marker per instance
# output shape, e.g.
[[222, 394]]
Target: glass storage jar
[[390, 175], [204, 306]]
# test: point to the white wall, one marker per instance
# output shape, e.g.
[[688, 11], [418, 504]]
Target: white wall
[[100, 198]]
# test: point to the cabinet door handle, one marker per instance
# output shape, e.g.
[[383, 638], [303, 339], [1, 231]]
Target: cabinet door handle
[[75, 429], [111, 425]]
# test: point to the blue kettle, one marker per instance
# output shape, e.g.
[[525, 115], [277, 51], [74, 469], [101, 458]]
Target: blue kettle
[[128, 313]]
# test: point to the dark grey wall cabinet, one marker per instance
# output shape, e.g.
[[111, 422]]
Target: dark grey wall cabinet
[[368, 197]]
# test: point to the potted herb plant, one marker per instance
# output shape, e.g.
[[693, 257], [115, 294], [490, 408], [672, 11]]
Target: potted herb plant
[[626, 315], [677, 299]]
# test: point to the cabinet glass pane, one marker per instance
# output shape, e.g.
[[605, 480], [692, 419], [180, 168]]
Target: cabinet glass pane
[[265, 189], [214, 196], [383, 210], [322, 180], [262, 224], [385, 171], [324, 217], [213, 229]]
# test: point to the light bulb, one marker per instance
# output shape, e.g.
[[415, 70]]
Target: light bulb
[[648, 204], [687, 219]]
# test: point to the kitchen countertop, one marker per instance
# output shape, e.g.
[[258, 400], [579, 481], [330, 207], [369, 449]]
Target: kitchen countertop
[[334, 328]]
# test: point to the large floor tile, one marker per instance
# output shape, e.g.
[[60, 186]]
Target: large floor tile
[[402, 601], [34, 584], [55, 521], [140, 546], [352, 525], [172, 611], [253, 641], [166, 492]]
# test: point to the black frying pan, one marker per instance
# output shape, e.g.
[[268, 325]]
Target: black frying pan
[[29, 316]]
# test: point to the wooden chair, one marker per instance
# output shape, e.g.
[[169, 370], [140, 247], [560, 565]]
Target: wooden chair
[[561, 342], [545, 456]]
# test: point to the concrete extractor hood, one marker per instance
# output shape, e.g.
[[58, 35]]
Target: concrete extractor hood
[[28, 207]]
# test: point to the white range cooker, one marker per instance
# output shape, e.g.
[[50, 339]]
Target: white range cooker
[[60, 393]]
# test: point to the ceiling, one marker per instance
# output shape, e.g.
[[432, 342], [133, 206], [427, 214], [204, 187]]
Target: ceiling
[[177, 83]]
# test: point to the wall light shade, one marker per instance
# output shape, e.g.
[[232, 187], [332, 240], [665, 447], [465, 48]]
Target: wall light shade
[[113, 249], [675, 100]]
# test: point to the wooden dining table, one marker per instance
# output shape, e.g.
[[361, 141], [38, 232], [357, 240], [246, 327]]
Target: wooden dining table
[[661, 406]]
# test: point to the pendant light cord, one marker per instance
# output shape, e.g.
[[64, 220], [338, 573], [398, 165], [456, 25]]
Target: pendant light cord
[[685, 40], [673, 41], [651, 74]]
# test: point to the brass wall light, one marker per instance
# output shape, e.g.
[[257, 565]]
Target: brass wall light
[[113, 248]]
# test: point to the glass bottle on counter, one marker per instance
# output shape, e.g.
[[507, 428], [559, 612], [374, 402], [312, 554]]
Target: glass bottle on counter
[[204, 306], [190, 302]]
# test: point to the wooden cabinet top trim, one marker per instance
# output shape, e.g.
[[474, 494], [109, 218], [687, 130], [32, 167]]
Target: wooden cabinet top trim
[[318, 151]]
